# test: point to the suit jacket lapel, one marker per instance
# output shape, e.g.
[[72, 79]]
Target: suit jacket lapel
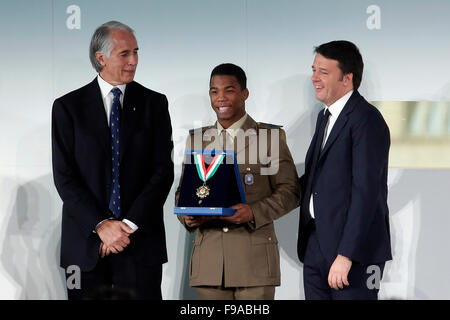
[[131, 112], [310, 152], [340, 122], [96, 115]]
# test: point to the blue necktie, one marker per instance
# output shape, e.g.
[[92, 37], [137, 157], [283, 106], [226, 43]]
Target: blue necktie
[[114, 202]]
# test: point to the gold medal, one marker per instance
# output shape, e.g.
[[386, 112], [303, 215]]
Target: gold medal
[[202, 191], [204, 174]]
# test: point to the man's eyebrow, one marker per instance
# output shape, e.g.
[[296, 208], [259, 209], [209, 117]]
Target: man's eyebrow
[[125, 51], [227, 87], [320, 68]]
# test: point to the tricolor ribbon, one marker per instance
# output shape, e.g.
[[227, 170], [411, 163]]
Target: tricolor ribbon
[[204, 173]]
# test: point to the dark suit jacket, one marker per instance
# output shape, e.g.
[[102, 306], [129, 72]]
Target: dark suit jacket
[[82, 171], [350, 187]]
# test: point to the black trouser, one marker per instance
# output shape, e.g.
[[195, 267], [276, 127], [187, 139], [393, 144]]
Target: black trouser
[[118, 276]]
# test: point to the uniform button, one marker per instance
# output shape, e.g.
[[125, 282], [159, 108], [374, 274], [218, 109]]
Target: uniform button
[[225, 229], [270, 238]]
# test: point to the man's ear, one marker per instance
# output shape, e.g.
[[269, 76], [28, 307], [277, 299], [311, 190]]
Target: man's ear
[[245, 93], [100, 58], [348, 79]]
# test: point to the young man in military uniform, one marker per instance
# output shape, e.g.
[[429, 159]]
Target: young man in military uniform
[[237, 257]]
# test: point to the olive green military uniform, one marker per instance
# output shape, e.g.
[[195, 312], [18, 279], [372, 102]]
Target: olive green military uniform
[[246, 255]]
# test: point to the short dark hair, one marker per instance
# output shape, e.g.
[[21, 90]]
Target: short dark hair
[[229, 69], [348, 56]]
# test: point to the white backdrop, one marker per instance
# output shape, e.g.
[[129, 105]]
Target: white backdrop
[[45, 55]]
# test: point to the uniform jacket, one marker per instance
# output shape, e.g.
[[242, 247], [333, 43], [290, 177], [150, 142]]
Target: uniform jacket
[[247, 254]]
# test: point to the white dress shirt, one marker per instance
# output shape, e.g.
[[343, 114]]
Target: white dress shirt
[[108, 97], [335, 110]]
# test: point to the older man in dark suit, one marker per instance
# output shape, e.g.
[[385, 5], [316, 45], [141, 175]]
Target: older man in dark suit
[[344, 223], [112, 167]]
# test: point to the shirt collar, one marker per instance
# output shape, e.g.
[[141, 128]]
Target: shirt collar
[[234, 127], [336, 108], [106, 88]]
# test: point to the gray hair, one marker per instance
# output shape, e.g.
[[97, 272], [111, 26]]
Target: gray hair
[[101, 41]]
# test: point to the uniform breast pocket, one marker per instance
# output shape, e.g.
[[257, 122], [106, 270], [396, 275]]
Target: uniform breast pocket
[[255, 184]]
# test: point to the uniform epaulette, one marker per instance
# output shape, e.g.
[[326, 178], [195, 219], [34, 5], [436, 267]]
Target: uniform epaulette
[[192, 131], [268, 125]]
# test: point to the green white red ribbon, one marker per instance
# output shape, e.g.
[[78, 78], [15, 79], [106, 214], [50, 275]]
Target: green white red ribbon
[[204, 173]]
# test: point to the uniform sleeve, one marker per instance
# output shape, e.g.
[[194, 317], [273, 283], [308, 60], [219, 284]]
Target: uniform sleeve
[[286, 189]]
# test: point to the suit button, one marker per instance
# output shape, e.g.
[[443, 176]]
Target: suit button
[[225, 229]]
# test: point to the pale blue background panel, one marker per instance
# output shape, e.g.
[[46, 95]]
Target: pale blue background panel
[[45, 55]]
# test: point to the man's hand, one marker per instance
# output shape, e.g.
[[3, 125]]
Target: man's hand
[[104, 250], [114, 235], [243, 214], [339, 272], [196, 221]]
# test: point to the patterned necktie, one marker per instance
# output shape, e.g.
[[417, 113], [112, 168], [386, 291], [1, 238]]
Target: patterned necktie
[[114, 202]]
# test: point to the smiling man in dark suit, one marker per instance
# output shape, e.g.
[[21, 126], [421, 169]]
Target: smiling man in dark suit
[[344, 223], [112, 167]]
